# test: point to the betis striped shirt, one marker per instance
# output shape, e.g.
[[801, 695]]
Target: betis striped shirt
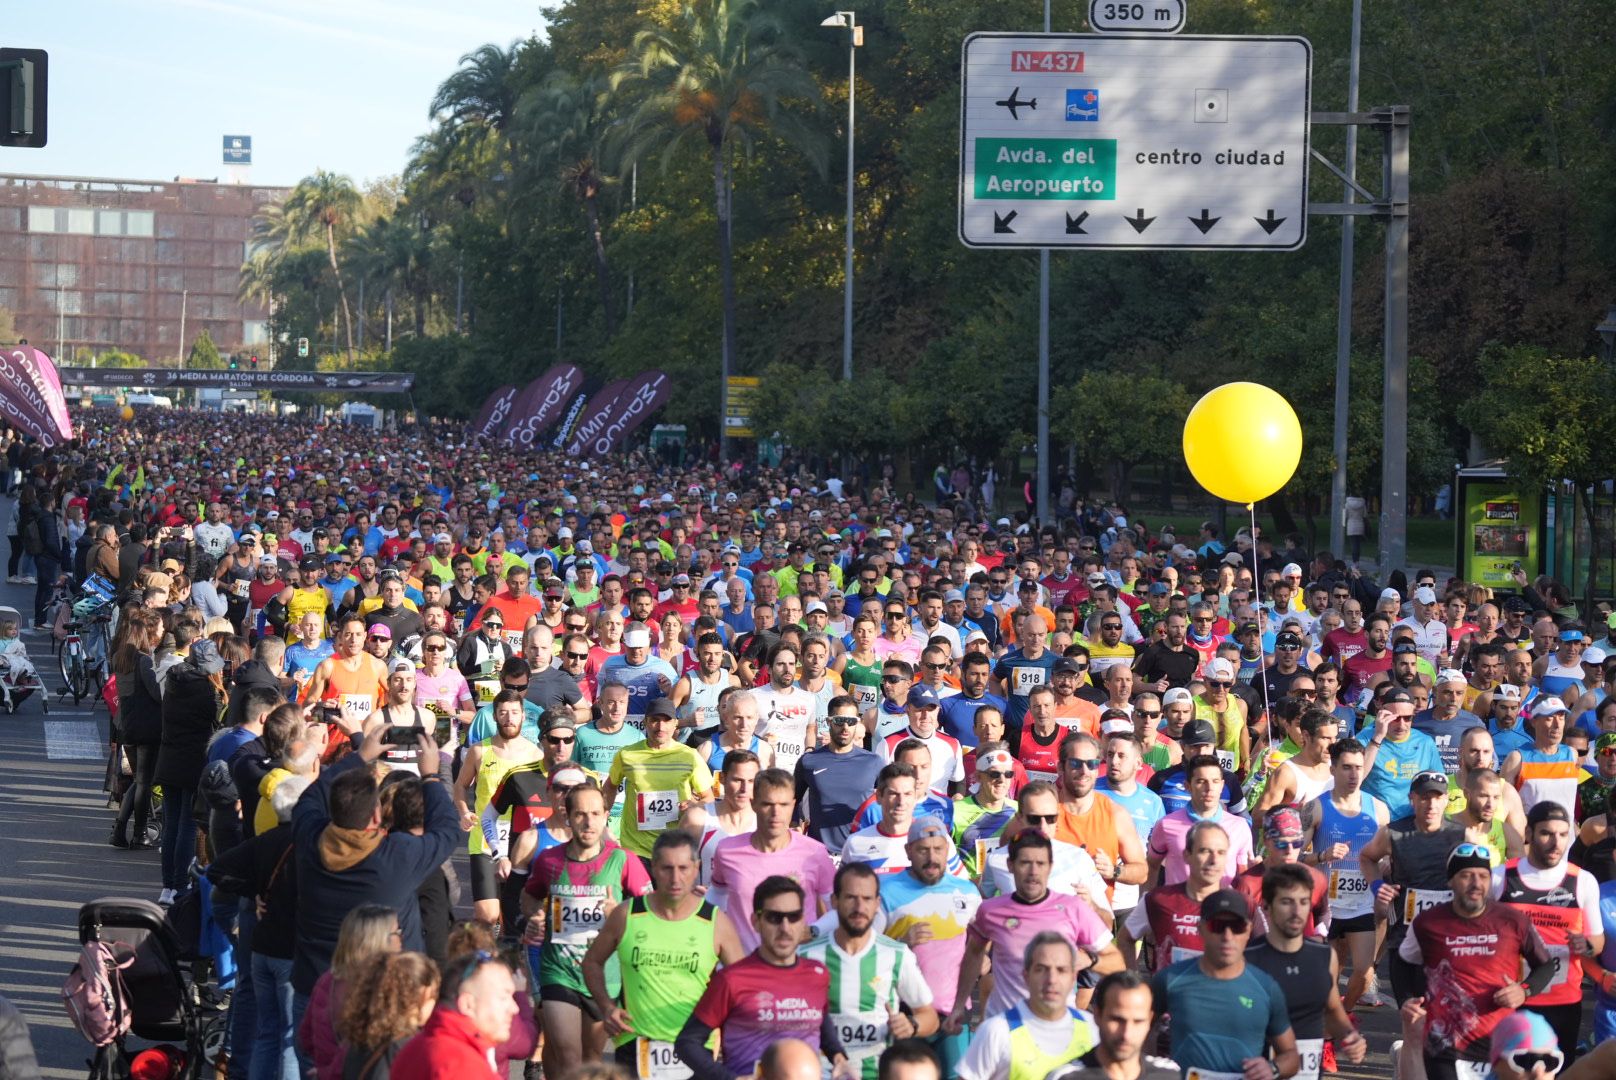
[[863, 986]]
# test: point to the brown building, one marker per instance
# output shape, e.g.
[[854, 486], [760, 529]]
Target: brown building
[[145, 266]]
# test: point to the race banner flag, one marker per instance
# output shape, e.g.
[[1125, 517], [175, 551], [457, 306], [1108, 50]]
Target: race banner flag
[[540, 405], [639, 399]]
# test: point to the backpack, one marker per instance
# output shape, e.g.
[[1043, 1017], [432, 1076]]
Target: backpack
[[33, 536], [97, 1000]]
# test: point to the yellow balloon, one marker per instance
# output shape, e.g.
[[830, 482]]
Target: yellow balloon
[[1242, 442], [128, 413]]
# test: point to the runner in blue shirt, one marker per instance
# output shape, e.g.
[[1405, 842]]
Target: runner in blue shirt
[[1398, 753], [959, 710]]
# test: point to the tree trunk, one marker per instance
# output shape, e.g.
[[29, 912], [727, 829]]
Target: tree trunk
[[602, 272], [1284, 520], [1591, 585], [726, 277], [347, 312]]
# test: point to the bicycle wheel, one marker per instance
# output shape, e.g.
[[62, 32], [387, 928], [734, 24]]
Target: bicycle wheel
[[74, 671]]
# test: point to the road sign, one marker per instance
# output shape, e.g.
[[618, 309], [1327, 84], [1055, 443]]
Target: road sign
[[1134, 141], [238, 149], [1126, 16], [24, 97], [742, 397]]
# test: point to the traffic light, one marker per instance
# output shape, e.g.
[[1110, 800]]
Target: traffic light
[[302, 348], [254, 361], [235, 361]]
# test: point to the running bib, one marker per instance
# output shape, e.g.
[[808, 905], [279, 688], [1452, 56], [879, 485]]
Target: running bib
[[576, 920], [657, 1060], [1027, 679], [485, 690], [656, 810], [1418, 900], [868, 697], [861, 1038], [1561, 955], [502, 838], [1349, 891], [1312, 1053], [1226, 759], [513, 639], [1207, 1074], [1179, 952], [356, 707]]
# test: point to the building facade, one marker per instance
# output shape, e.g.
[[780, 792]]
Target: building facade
[[144, 266]]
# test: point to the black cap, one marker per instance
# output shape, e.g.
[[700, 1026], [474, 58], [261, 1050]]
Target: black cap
[[1547, 810], [1198, 733], [1429, 782], [1288, 637], [1397, 697], [1226, 902], [1516, 603], [309, 562], [1067, 666]]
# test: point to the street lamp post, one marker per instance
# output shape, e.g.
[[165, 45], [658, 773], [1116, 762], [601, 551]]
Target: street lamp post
[[855, 38]]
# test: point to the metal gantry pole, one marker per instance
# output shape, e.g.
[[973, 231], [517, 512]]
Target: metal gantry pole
[[1043, 364], [847, 285], [1394, 464], [1343, 326]]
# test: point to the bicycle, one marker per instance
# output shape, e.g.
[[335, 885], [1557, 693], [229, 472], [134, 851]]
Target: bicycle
[[83, 657]]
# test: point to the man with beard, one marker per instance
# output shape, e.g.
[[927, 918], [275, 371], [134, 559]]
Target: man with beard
[[1169, 662]]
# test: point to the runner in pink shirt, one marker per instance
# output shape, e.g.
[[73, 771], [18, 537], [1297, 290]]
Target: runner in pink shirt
[[741, 863]]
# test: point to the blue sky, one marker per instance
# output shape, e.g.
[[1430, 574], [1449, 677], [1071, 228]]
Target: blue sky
[[146, 89]]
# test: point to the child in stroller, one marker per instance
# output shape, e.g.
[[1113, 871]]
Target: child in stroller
[[18, 677]]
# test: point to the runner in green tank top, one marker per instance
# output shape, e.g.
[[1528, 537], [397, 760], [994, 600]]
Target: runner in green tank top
[[667, 944], [862, 678]]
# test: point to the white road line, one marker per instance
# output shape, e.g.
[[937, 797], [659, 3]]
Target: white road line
[[73, 740]]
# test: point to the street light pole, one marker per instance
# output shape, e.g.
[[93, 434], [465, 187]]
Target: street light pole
[[855, 38], [1042, 505], [1343, 324]]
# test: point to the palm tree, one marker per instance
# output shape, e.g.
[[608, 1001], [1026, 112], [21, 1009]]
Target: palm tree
[[392, 253], [562, 123], [721, 74], [481, 91], [320, 203]]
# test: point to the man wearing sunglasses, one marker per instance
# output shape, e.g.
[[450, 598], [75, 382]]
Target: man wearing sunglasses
[[1283, 841], [770, 996], [1472, 951], [1227, 1015]]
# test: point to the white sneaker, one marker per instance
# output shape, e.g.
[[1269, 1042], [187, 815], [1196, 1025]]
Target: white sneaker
[[165, 898], [14, 579], [28, 580]]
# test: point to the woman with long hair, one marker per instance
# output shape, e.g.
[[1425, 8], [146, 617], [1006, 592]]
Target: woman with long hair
[[671, 644], [367, 932], [193, 704], [390, 1000], [138, 729]]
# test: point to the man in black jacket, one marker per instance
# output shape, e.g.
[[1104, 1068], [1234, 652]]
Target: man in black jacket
[[344, 857]]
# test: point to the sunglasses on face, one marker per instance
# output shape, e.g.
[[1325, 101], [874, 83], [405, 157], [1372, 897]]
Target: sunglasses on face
[[1219, 684], [378, 637], [560, 740], [993, 774], [514, 686], [434, 648], [1304, 692], [780, 918], [1286, 845], [1092, 764], [1147, 715], [577, 656], [843, 721], [1040, 819], [1221, 927], [890, 679]]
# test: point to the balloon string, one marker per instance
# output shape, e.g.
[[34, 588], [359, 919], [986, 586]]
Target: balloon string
[[1268, 712]]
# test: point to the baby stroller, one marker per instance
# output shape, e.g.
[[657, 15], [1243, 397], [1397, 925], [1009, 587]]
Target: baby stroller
[[18, 677], [162, 995]]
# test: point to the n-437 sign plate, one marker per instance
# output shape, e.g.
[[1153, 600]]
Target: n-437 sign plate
[[1134, 141]]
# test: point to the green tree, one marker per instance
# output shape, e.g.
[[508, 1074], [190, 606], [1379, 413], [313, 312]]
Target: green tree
[[204, 354], [721, 75], [482, 90], [1119, 420], [321, 204], [1550, 417]]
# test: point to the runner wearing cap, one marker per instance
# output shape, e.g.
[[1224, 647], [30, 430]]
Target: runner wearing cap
[[1471, 952], [1072, 708], [483, 771], [1162, 748], [1408, 857], [928, 909], [1304, 968], [1396, 753], [981, 816], [1425, 623], [1227, 1015], [666, 944], [1504, 720], [1006, 924], [1283, 841], [1447, 719], [1168, 917], [947, 757], [306, 597], [1560, 673], [663, 783], [1227, 715], [836, 776], [647, 676], [1172, 783], [1548, 770], [1593, 794], [1562, 902]]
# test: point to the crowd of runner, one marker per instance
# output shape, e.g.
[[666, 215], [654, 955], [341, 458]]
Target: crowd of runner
[[746, 772]]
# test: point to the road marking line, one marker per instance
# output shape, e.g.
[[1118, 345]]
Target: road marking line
[[73, 740]]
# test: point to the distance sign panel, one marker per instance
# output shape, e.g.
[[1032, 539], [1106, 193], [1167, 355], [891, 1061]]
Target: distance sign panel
[[1132, 141]]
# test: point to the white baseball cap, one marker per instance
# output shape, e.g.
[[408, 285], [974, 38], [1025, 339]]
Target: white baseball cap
[[1220, 670], [1425, 595], [1291, 570], [637, 639], [1116, 726], [1549, 706], [1449, 675], [1176, 696]]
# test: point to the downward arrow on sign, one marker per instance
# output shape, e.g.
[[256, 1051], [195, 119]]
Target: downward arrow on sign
[[1270, 223], [1139, 223], [1204, 222], [1002, 224]]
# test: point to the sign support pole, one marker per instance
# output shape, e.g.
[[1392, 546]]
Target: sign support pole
[[1043, 367], [1343, 326]]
